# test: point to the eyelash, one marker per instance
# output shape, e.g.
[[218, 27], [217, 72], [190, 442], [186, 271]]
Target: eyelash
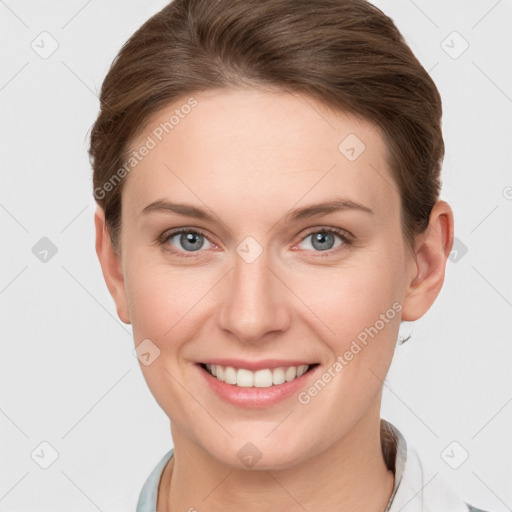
[[346, 237]]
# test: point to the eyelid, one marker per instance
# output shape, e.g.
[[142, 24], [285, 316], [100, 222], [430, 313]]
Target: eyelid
[[164, 238], [346, 237], [330, 229]]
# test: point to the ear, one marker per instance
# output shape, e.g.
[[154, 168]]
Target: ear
[[111, 266], [432, 249]]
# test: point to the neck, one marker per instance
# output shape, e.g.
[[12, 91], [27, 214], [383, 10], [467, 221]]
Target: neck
[[351, 475]]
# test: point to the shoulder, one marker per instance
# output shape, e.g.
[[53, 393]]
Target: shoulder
[[474, 509], [418, 486], [149, 494]]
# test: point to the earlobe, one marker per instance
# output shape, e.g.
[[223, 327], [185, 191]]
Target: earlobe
[[431, 253], [111, 267]]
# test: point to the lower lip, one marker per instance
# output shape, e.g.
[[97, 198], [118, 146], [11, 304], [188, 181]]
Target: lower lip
[[255, 397]]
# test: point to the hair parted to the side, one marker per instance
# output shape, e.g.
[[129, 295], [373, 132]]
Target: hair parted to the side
[[346, 54]]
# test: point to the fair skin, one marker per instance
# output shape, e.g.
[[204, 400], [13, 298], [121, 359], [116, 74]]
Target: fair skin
[[249, 157]]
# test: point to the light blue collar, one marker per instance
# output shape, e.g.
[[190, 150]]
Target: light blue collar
[[149, 492]]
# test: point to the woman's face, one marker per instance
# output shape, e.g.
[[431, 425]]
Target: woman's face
[[261, 279]]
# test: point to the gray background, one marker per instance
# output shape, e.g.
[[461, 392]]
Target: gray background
[[68, 374]]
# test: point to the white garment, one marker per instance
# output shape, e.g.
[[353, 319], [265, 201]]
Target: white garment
[[417, 488]]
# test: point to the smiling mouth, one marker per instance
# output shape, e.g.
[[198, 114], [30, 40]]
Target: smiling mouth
[[264, 378]]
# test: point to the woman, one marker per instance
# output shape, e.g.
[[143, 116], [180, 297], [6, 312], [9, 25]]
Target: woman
[[267, 177]]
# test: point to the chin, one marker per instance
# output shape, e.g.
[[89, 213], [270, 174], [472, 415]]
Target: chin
[[252, 453]]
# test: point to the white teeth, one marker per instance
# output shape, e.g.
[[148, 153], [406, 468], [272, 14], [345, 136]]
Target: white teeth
[[260, 379], [290, 373], [301, 370], [229, 375], [278, 376], [244, 378], [263, 379]]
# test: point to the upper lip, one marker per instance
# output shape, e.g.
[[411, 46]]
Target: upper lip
[[257, 365]]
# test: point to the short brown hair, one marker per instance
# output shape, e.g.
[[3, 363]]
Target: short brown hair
[[345, 53]]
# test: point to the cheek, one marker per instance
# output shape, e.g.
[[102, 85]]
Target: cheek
[[357, 308], [162, 298], [170, 306], [349, 298], [164, 303]]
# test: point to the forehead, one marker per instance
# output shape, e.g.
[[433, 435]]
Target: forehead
[[270, 150]]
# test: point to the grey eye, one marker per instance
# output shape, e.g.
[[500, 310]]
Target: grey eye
[[189, 240], [322, 240]]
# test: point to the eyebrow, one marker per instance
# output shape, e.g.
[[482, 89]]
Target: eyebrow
[[314, 210]]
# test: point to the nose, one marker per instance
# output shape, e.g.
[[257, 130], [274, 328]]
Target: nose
[[255, 301]]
